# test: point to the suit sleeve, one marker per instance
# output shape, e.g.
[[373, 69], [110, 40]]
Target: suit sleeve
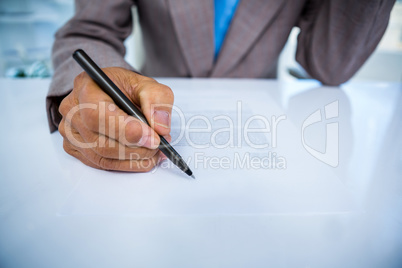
[[99, 28], [337, 36]]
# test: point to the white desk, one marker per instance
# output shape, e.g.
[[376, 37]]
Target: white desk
[[52, 213]]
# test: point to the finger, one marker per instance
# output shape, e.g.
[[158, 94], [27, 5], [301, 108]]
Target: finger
[[75, 153], [156, 102], [101, 115], [65, 104], [168, 138], [107, 119], [73, 117], [88, 157], [102, 145]]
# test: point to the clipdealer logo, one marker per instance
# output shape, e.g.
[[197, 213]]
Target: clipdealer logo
[[331, 154]]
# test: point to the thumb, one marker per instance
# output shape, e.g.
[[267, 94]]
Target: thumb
[[156, 102]]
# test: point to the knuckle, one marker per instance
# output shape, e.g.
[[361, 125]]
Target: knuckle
[[64, 107], [168, 93], [163, 92], [157, 91], [61, 128], [79, 79], [69, 149], [66, 146]]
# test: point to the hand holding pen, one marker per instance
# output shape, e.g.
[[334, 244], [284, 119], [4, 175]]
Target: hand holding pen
[[89, 140]]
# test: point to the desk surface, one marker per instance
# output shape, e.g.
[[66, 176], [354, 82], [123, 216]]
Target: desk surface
[[321, 210]]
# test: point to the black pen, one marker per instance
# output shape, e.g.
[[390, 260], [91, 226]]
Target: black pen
[[126, 105]]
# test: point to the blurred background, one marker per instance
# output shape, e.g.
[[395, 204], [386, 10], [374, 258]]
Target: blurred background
[[27, 30]]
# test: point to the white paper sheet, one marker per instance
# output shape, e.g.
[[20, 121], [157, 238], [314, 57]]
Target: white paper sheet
[[299, 184]]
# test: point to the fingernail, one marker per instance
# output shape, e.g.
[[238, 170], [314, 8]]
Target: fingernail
[[148, 141], [162, 118]]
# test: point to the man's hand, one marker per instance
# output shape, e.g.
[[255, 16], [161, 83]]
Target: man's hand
[[102, 136]]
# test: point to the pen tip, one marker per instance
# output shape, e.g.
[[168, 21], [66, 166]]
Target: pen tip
[[192, 176]]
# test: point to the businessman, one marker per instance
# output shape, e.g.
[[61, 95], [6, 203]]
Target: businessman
[[191, 38]]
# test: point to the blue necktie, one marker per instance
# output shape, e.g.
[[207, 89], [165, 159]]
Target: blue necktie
[[224, 11]]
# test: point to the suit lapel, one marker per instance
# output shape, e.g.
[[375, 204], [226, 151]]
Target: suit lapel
[[250, 19], [194, 25]]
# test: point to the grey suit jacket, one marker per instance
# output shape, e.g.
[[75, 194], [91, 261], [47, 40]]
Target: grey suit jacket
[[336, 37]]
